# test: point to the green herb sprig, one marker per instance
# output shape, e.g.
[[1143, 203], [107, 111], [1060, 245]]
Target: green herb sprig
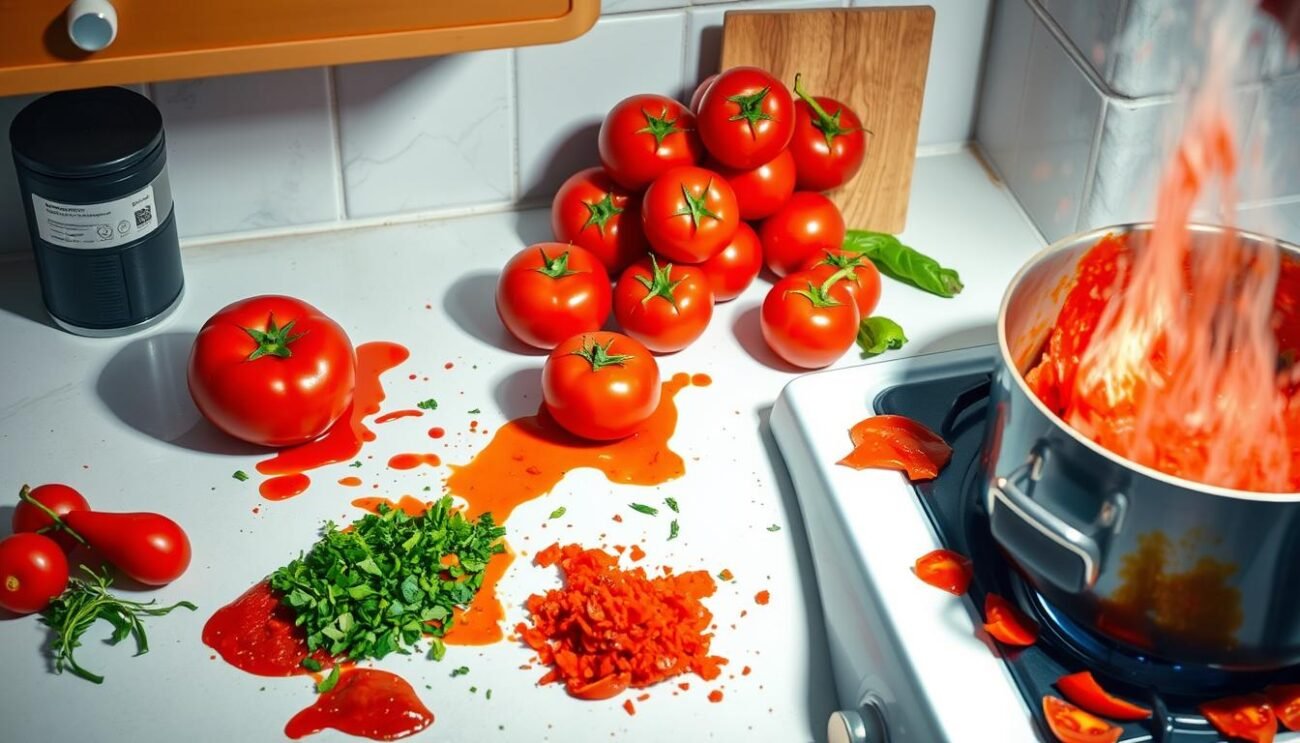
[[904, 263]]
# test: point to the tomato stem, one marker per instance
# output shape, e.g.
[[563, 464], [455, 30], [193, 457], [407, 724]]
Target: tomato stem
[[828, 124], [751, 109], [25, 494], [840, 275], [274, 341], [600, 212], [557, 267], [599, 356], [659, 126], [696, 207], [659, 283]]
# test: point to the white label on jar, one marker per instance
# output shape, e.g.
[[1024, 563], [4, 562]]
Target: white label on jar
[[91, 226]]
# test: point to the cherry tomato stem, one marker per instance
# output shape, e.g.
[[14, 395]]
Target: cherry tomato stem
[[25, 495]]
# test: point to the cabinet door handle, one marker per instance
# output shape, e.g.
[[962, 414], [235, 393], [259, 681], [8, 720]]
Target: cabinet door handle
[[92, 24]]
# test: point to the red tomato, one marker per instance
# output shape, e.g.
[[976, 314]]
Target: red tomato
[[60, 499], [829, 142], [746, 117], [1082, 689], [33, 570], [645, 135], [1006, 623], [736, 266], [945, 570], [593, 213], [147, 547], [700, 90], [550, 292], [272, 370], [664, 307], [807, 324], [600, 386], [1072, 725], [689, 214], [761, 191], [808, 224], [863, 283], [1247, 717], [1285, 701]]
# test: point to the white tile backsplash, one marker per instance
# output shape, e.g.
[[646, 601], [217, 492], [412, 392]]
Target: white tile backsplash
[[428, 133], [250, 151], [1274, 142]]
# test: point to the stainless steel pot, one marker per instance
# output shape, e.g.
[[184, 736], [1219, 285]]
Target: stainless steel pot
[[1175, 569]]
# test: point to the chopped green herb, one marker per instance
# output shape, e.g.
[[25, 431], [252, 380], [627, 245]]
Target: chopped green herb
[[774, 527], [240, 475], [672, 504], [461, 671], [437, 649], [878, 334], [672, 530], [473, 690], [377, 588], [329, 681], [356, 464], [475, 411], [427, 488], [430, 404], [311, 664], [642, 508], [489, 693], [558, 512]]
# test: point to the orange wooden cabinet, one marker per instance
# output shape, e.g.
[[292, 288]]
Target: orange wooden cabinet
[[176, 39]]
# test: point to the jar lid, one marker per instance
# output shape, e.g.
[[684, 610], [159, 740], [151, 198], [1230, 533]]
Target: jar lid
[[85, 133]]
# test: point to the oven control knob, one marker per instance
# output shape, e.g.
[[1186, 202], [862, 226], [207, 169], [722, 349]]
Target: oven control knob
[[865, 725]]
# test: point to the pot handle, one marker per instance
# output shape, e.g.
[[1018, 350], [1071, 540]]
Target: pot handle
[[1067, 554]]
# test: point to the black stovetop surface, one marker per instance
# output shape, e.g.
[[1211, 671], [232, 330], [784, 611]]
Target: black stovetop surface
[[956, 408]]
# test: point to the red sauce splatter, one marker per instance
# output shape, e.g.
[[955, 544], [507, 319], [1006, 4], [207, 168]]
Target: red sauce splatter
[[344, 439], [350, 482], [745, 671], [637, 553], [715, 696], [762, 597], [256, 634], [437, 432], [528, 456], [473, 425], [412, 506], [386, 417], [365, 702], [629, 707], [411, 461], [480, 622], [701, 380], [284, 486], [448, 365], [410, 376]]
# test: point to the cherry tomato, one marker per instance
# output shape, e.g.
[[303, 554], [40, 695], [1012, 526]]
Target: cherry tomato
[[1082, 689], [736, 266], [863, 284], [1006, 623], [1285, 701], [1247, 717], [272, 370], [700, 90], [945, 570], [601, 386], [808, 324], [761, 191], [665, 307], [645, 135], [60, 499], [1072, 725], [746, 117], [829, 143], [550, 292], [147, 547], [33, 570], [808, 224], [593, 213], [689, 214]]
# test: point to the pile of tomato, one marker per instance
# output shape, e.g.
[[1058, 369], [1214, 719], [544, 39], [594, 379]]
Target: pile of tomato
[[687, 207]]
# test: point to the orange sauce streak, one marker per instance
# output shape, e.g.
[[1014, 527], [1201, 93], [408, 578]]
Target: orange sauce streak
[[411, 461], [701, 380], [284, 486], [412, 506], [480, 622], [350, 482], [386, 417], [528, 456]]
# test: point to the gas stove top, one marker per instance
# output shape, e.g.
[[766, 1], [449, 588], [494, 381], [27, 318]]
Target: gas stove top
[[912, 663]]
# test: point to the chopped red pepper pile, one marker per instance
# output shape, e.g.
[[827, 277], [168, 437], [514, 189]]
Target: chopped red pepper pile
[[899, 443], [609, 629]]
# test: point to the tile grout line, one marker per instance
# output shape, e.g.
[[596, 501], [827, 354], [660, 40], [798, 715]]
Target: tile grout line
[[516, 166], [332, 106]]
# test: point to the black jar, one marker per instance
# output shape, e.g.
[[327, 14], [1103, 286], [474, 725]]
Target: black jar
[[92, 171]]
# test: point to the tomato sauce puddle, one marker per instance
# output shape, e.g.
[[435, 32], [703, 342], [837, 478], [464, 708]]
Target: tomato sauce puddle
[[367, 702], [256, 634]]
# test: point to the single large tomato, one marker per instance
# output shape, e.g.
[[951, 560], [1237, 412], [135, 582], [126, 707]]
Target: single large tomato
[[1072, 725], [829, 143], [761, 191], [735, 267], [746, 117], [808, 324], [862, 281], [665, 307], [550, 292], [61, 499], [592, 212], [808, 224], [645, 135], [601, 386], [689, 214], [272, 370], [33, 570]]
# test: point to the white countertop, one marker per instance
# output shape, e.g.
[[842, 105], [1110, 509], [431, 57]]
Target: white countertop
[[113, 419]]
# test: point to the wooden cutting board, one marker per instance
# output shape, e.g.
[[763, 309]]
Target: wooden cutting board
[[872, 59]]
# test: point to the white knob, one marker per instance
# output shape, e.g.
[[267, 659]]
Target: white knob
[[92, 24], [846, 726]]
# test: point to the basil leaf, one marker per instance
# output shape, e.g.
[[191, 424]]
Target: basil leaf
[[878, 334], [904, 263], [329, 682], [557, 513], [642, 508]]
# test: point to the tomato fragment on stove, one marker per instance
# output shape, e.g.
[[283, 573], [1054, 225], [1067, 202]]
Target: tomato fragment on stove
[[945, 570], [898, 443], [1006, 623], [1072, 725], [1248, 717], [1285, 701], [1082, 689]]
